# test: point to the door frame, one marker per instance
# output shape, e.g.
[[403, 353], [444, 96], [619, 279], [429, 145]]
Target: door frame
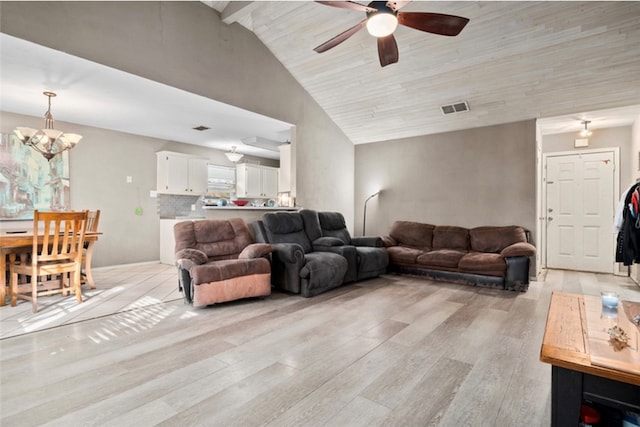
[[542, 218]]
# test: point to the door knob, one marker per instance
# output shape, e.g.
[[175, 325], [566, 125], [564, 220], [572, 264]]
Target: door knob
[[550, 209], [550, 218]]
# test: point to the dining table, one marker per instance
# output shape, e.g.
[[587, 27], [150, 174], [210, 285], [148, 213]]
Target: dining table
[[15, 241]]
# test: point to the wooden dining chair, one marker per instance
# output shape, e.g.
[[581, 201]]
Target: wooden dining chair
[[55, 261], [93, 219]]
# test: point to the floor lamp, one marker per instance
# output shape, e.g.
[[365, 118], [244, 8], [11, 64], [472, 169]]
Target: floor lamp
[[364, 219]]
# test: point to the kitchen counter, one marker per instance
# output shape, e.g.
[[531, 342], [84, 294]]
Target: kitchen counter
[[251, 208]]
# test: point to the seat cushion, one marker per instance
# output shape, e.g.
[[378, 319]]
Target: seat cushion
[[371, 259], [441, 258], [403, 255], [483, 263], [226, 269]]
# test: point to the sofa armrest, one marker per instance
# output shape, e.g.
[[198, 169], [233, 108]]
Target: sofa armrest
[[518, 249], [323, 243], [388, 241], [370, 241], [188, 257], [255, 250], [290, 253]]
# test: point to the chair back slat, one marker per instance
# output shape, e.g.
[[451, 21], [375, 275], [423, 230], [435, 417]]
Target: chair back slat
[[93, 220], [63, 236]]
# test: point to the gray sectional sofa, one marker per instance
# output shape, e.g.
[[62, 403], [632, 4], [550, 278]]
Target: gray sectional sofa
[[313, 252]]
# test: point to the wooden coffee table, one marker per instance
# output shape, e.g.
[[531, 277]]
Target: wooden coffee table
[[573, 377]]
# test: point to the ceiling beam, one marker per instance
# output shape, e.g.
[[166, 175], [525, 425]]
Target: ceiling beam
[[237, 10]]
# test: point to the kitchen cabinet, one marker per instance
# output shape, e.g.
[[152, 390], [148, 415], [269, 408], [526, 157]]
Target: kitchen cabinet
[[255, 181], [181, 174]]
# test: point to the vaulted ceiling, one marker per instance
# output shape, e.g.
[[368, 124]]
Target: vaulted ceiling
[[513, 61]]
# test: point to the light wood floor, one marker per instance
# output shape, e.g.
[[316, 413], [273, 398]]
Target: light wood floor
[[393, 351]]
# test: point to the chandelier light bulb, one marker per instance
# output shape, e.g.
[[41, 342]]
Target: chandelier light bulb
[[382, 24]]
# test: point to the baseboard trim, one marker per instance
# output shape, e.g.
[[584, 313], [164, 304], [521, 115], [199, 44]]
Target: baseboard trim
[[133, 264]]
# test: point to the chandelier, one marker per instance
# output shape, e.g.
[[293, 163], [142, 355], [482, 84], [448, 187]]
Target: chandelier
[[48, 141], [233, 155]]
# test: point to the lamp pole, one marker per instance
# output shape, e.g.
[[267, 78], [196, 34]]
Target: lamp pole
[[364, 219]]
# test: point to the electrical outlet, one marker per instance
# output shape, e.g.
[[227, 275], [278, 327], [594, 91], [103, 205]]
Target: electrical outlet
[[129, 179], [193, 207]]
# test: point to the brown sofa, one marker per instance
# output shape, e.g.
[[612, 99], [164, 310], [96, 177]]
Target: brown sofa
[[218, 262], [484, 256]]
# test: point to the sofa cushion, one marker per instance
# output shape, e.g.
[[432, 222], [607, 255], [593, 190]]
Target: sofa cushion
[[286, 227], [412, 234], [218, 239], [450, 237], [228, 269], [334, 225], [441, 258], [483, 263], [495, 239], [403, 254]]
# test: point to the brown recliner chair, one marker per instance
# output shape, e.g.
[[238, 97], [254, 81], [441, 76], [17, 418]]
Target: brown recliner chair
[[218, 262]]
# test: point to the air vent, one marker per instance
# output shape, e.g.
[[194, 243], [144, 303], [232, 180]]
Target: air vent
[[201, 128], [458, 107]]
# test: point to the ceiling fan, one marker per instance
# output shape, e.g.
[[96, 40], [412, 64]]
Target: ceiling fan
[[382, 19]]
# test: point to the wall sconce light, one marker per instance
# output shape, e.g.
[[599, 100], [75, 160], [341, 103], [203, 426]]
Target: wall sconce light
[[364, 219]]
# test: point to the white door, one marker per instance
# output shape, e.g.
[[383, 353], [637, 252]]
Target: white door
[[580, 209]]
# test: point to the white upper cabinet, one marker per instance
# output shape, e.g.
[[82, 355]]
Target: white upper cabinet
[[181, 174], [255, 181]]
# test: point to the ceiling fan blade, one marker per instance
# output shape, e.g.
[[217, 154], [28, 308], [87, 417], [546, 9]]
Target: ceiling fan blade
[[387, 50], [340, 37], [348, 5], [436, 23], [397, 5]]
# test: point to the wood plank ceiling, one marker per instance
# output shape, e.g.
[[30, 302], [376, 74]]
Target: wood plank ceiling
[[514, 61]]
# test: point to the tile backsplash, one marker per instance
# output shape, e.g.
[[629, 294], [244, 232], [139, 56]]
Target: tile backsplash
[[171, 206]]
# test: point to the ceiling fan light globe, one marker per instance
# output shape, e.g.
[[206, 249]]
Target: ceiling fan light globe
[[382, 24]]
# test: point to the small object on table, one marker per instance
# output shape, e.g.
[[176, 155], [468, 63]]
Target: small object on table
[[618, 337], [609, 299], [240, 202]]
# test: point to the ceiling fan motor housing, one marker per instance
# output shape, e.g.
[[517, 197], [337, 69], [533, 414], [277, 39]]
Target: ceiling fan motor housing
[[381, 7]]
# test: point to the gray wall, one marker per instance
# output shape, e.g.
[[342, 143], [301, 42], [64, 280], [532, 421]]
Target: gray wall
[[482, 176], [601, 138], [185, 45]]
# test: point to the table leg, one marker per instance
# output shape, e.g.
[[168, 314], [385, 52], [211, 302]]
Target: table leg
[[3, 277], [566, 396], [87, 264]]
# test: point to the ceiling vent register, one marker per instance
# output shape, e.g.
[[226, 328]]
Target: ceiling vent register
[[458, 107]]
